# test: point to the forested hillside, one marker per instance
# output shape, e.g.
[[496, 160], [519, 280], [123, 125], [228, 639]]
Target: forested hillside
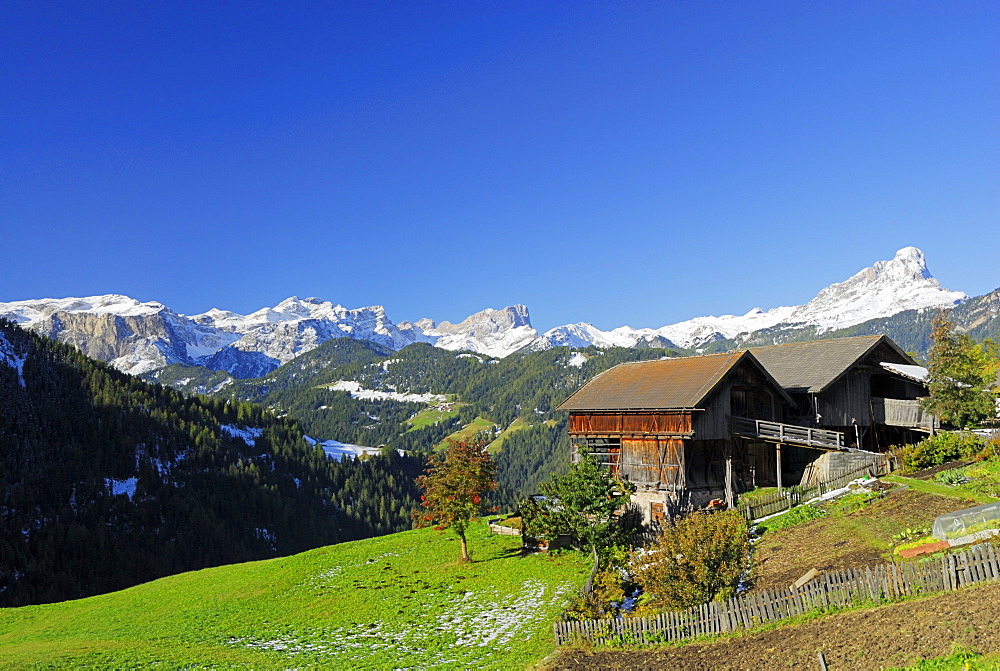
[[107, 481], [518, 392]]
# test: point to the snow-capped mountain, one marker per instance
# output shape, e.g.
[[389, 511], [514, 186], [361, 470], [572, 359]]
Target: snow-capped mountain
[[884, 289], [141, 337], [492, 332], [132, 336], [270, 337]]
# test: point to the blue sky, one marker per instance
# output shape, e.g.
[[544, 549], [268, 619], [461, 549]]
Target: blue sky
[[620, 163]]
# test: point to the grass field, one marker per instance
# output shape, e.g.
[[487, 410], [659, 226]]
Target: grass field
[[391, 602], [431, 416], [468, 432], [966, 492]]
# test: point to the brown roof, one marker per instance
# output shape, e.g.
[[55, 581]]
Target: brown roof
[[654, 385], [813, 366]]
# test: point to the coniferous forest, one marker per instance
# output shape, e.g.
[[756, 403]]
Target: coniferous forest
[[107, 481]]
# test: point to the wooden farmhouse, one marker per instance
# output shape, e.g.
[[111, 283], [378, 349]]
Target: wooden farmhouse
[[864, 387], [664, 425], [691, 429]]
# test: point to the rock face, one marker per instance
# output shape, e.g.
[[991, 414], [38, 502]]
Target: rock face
[[492, 332], [901, 283], [134, 337], [141, 337], [886, 288]]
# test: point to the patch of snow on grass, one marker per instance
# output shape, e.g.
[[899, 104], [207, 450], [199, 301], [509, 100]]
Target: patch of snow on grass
[[337, 450], [454, 634], [118, 487], [577, 360]]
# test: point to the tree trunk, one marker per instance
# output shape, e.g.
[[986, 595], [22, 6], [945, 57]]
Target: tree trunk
[[465, 550]]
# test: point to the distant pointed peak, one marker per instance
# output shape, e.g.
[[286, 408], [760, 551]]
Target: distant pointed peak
[[910, 253]]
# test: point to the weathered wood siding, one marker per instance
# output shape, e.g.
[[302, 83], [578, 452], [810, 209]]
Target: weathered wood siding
[[631, 423], [705, 462], [848, 398], [745, 392], [653, 462]]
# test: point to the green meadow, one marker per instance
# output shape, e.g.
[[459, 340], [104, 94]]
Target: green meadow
[[398, 601], [468, 432], [431, 416]]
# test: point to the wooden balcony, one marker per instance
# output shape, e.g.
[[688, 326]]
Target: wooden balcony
[[907, 414], [787, 434]]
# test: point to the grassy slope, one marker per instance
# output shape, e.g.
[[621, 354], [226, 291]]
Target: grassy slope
[[389, 602], [468, 432], [850, 535], [431, 416]]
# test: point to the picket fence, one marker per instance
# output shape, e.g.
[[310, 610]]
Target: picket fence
[[839, 588], [754, 508]]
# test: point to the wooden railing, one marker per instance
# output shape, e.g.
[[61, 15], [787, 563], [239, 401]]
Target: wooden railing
[[787, 433], [888, 582]]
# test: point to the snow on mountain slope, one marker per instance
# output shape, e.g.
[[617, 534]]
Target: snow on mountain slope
[[491, 332], [141, 337], [133, 336], [886, 288], [11, 358]]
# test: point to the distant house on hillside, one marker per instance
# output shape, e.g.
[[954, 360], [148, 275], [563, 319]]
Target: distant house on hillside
[[691, 429]]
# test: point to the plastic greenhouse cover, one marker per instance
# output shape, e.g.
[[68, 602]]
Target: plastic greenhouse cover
[[968, 521]]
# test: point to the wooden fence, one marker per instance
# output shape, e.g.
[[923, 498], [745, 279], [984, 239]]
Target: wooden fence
[[754, 508], [842, 588]]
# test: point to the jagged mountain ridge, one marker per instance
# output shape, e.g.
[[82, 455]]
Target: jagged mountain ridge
[[141, 337], [882, 290]]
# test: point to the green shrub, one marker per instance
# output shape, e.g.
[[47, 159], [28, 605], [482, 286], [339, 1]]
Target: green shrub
[[794, 516], [953, 477], [944, 447], [701, 557]]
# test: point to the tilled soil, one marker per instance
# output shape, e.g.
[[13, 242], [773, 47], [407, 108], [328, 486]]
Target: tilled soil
[[852, 540], [890, 636]]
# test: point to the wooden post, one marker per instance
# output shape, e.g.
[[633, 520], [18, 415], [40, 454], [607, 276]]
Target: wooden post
[[777, 459], [729, 482]]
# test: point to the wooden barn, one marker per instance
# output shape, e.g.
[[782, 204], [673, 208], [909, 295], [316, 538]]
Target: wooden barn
[[665, 425], [692, 429], [864, 387]]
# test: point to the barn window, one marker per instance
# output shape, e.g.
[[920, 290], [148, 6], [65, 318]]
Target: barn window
[[607, 451]]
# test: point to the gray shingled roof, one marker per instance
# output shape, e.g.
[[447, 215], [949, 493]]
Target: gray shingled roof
[[654, 385], [812, 366]]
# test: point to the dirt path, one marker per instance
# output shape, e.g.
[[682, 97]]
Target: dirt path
[[891, 636]]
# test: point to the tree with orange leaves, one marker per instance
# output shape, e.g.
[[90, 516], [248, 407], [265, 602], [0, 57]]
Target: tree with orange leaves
[[453, 487]]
